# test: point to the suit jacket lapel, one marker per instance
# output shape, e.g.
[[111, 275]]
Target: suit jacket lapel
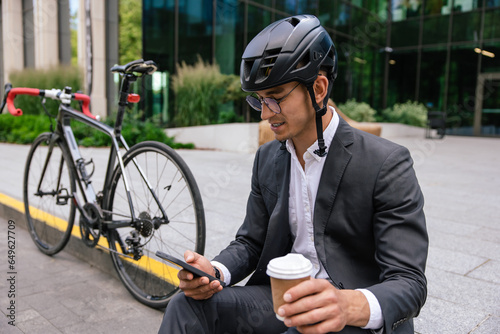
[[279, 226], [337, 159], [278, 239], [282, 171]]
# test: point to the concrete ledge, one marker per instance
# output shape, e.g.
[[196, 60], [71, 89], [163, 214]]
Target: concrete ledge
[[396, 130], [233, 137], [244, 137]]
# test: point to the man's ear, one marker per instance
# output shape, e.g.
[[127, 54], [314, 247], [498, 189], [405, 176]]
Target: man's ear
[[320, 88]]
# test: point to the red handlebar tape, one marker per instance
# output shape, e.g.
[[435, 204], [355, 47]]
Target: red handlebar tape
[[86, 102], [40, 92], [12, 95]]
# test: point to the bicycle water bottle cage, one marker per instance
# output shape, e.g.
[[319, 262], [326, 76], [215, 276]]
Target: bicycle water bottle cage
[[82, 168], [138, 67]]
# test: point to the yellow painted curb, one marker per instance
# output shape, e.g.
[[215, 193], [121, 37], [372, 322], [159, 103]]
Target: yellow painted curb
[[157, 267], [11, 202]]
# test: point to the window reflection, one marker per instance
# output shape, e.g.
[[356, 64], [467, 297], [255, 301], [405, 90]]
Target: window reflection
[[404, 9], [402, 77], [432, 78], [226, 35], [466, 5], [435, 30], [466, 26], [493, 3], [491, 26], [415, 54]]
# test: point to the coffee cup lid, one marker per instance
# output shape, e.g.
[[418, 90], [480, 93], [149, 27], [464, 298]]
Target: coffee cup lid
[[290, 266]]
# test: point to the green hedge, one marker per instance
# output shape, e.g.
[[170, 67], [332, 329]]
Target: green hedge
[[24, 129], [410, 113], [55, 77], [358, 111], [201, 91]]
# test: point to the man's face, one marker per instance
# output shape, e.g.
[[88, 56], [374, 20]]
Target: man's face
[[297, 118]]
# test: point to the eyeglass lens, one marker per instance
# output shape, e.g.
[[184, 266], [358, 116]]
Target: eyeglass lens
[[272, 104], [256, 104]]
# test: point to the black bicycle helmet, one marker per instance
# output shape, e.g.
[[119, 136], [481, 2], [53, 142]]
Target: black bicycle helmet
[[291, 49]]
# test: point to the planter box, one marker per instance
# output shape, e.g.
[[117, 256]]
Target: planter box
[[233, 137], [244, 137]]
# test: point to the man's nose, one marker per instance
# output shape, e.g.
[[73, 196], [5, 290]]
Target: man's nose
[[266, 113]]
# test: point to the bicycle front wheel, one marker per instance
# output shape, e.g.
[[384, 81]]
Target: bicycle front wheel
[[162, 212], [49, 186]]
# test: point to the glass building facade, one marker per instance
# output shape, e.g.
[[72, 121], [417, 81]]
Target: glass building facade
[[442, 53]]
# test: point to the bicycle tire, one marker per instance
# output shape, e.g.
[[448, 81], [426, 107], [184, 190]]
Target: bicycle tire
[[50, 211], [149, 280]]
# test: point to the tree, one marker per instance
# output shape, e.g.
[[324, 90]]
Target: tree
[[130, 30]]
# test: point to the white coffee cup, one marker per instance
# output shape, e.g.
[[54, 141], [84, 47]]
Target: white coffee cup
[[286, 272]]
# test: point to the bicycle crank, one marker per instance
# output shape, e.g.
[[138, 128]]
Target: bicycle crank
[[90, 225]]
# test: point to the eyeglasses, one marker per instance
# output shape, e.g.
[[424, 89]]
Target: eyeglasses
[[272, 104]]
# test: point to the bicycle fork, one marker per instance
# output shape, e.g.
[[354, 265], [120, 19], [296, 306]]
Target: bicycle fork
[[61, 199]]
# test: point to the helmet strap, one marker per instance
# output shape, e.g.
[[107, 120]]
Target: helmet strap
[[321, 151]]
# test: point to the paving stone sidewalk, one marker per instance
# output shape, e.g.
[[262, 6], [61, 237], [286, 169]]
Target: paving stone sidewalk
[[460, 178]]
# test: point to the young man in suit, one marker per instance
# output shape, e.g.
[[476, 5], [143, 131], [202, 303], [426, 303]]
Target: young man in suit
[[348, 201]]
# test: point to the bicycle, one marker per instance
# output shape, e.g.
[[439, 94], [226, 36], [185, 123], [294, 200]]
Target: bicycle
[[149, 202]]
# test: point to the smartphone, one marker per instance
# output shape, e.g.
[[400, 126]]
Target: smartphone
[[178, 263]]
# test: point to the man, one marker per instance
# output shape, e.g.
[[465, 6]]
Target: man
[[348, 201]]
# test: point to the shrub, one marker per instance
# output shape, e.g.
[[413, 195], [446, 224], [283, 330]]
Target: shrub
[[55, 77], [197, 90], [24, 129], [410, 113], [358, 111], [200, 91]]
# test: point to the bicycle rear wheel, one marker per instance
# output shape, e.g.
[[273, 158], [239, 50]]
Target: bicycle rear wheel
[[48, 186], [168, 217]]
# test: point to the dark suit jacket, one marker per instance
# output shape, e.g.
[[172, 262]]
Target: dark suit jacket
[[369, 224]]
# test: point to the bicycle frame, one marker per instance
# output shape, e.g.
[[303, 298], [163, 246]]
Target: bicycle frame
[[86, 188], [65, 114]]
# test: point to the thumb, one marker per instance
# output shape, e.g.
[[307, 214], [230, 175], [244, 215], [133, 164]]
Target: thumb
[[190, 256]]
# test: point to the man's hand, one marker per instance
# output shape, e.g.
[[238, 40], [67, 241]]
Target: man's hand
[[316, 306], [198, 287]]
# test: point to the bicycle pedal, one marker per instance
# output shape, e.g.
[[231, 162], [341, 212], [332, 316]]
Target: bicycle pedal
[[62, 199]]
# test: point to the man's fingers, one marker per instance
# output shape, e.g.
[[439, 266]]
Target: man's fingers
[[200, 288], [303, 289]]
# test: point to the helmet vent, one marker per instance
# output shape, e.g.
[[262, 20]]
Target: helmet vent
[[248, 67], [268, 62], [293, 21], [304, 61]]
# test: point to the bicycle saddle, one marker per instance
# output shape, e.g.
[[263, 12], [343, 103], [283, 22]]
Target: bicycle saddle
[[141, 66]]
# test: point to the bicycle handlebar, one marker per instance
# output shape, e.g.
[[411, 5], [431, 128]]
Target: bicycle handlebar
[[55, 94], [11, 95]]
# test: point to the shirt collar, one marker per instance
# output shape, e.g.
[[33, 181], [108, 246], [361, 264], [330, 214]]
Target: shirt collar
[[327, 136]]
